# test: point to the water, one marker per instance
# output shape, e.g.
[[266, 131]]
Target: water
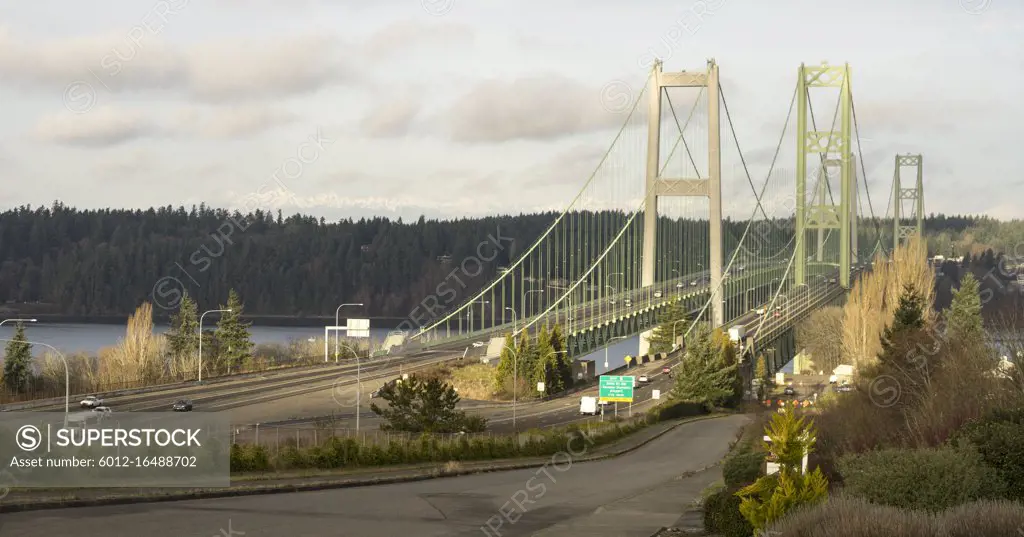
[[90, 338]]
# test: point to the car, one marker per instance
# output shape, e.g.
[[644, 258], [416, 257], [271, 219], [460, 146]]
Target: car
[[183, 405], [666, 370], [833, 280], [694, 283], [845, 388], [479, 344], [761, 310], [375, 393], [644, 378], [789, 391], [657, 294], [778, 313], [91, 402], [611, 301], [104, 410], [679, 285], [629, 302]]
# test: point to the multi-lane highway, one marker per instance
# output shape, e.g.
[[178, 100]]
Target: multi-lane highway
[[631, 495], [340, 402]]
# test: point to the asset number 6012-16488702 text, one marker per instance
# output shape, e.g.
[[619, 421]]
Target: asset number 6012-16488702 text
[[147, 462]]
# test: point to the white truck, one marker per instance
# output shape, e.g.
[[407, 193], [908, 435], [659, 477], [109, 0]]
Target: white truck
[[737, 333], [588, 406]]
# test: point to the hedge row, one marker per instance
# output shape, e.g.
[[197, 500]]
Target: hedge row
[[339, 453]]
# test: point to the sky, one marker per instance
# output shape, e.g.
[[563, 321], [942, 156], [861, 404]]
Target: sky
[[453, 108]]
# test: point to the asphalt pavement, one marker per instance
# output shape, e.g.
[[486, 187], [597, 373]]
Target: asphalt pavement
[[628, 496]]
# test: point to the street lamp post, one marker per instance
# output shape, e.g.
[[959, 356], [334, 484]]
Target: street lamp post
[[67, 374], [201, 339], [606, 350], [674, 332], [17, 321], [515, 366], [336, 321]]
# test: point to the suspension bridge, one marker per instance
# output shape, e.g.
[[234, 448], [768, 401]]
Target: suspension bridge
[[648, 230]]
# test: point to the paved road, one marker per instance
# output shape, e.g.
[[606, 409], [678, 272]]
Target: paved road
[[631, 495], [341, 401]]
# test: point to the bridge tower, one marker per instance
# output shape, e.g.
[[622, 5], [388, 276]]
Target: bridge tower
[[835, 151], [901, 233], [709, 187]]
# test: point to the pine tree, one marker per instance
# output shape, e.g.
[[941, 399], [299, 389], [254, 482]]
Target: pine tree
[[909, 316], [963, 319], [527, 368], [562, 360], [17, 361], [183, 336], [233, 335], [704, 376], [503, 373], [672, 323], [547, 363], [761, 370]]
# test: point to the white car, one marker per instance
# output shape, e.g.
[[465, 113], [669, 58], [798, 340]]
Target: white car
[[91, 402], [657, 294], [104, 410], [693, 283], [644, 378], [761, 310], [478, 344]]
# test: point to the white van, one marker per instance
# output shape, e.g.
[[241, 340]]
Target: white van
[[588, 406]]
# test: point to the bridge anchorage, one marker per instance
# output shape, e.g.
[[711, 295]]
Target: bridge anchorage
[[634, 249]]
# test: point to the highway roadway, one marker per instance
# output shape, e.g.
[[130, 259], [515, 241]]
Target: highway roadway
[[628, 496], [530, 414]]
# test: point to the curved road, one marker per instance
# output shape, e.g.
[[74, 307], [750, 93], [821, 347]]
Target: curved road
[[631, 495]]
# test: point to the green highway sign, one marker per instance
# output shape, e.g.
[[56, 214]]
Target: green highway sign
[[616, 389]]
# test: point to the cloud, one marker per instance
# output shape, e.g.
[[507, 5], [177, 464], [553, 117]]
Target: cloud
[[221, 70], [230, 122], [391, 118], [406, 35], [536, 108], [104, 126], [571, 167]]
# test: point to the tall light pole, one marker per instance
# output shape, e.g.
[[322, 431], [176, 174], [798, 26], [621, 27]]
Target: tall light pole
[[67, 374], [515, 365], [336, 321], [17, 321], [606, 350], [674, 332], [359, 383], [201, 339]]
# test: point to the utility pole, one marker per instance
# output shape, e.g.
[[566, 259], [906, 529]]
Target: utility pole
[[709, 187]]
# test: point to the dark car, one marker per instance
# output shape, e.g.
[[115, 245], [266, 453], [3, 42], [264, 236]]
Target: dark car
[[183, 405], [789, 391]]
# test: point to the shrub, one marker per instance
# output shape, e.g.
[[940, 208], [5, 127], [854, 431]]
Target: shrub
[[982, 518], [722, 515], [999, 438], [680, 409], [927, 479], [853, 517], [743, 468], [845, 516]]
